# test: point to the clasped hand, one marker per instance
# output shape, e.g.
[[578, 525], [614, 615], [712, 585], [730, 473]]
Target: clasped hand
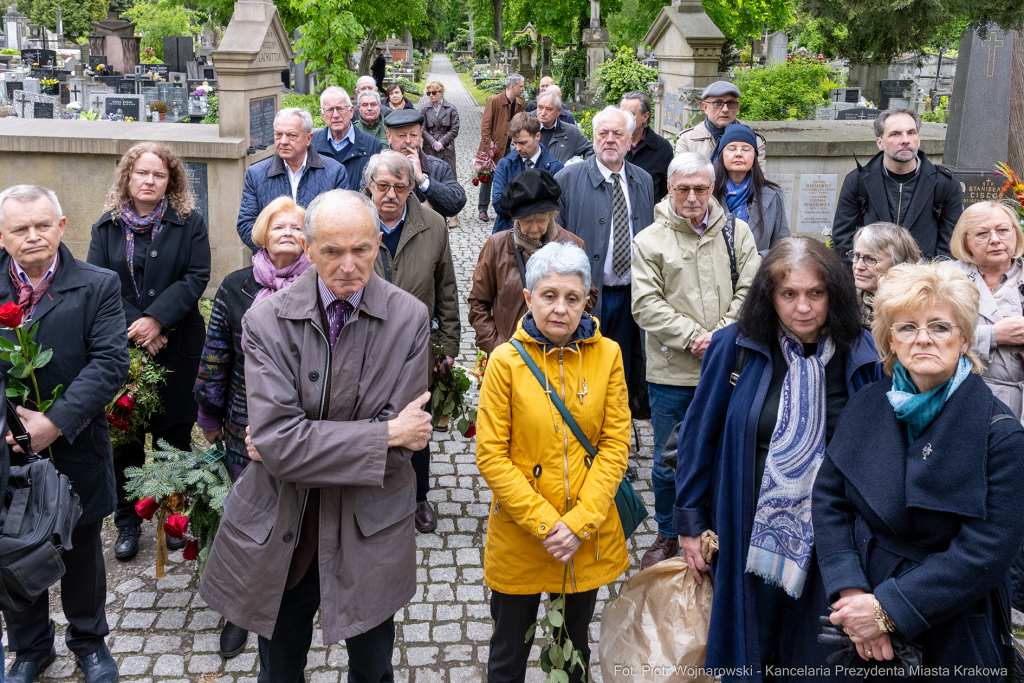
[[147, 332], [38, 426], [561, 542], [856, 613]]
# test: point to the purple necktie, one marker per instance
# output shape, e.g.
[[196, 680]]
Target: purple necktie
[[337, 314]]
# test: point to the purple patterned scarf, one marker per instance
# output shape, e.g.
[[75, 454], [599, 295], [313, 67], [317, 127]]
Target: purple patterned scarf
[[134, 224], [274, 279]]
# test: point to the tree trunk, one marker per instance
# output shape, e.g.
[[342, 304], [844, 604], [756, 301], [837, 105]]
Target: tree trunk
[[1015, 157], [367, 53], [497, 21]]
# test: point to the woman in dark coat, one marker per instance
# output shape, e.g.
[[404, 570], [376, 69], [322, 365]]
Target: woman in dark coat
[[157, 243], [395, 99], [917, 519], [440, 126], [799, 330]]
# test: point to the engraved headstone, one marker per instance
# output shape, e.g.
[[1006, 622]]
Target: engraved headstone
[[261, 122], [13, 86], [197, 181], [899, 90], [43, 110], [125, 106], [816, 202], [858, 114], [785, 181], [849, 95], [778, 48], [31, 85], [126, 87], [96, 60], [25, 104]]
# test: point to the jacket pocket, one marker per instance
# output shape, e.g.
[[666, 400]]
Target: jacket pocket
[[192, 336], [252, 520], [383, 510]]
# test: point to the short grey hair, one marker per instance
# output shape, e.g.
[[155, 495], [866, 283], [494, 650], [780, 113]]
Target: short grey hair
[[512, 79], [612, 109], [890, 238], [691, 163], [307, 119], [332, 198], [642, 98], [549, 94], [367, 93], [395, 163], [366, 79], [564, 258], [335, 91], [29, 193], [885, 115]]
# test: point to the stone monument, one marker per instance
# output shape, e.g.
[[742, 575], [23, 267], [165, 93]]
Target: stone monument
[[778, 48], [253, 52], [545, 51], [528, 55], [979, 110], [15, 29], [116, 39], [595, 38], [687, 45]]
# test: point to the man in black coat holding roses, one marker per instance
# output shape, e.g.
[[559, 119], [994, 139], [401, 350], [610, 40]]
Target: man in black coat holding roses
[[78, 309]]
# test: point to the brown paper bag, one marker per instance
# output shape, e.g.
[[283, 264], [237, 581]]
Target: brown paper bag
[[656, 629]]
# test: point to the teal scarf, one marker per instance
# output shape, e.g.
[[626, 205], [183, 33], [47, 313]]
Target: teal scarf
[[918, 410]]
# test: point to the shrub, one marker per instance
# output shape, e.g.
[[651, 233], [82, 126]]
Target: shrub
[[9, 51], [310, 103], [213, 111], [585, 120], [410, 87], [160, 106], [939, 114], [566, 67], [621, 75], [493, 86], [784, 92]]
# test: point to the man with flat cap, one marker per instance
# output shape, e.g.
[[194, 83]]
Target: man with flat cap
[[435, 183], [720, 102]]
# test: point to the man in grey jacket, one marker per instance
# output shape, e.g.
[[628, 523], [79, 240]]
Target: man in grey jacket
[[324, 514], [563, 140]]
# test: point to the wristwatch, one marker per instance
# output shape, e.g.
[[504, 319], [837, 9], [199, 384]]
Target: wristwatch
[[423, 183]]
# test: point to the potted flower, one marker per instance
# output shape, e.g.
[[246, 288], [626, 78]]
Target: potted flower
[[75, 109], [50, 86], [160, 107]]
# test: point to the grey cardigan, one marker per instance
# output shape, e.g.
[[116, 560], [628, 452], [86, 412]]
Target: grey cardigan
[[776, 222]]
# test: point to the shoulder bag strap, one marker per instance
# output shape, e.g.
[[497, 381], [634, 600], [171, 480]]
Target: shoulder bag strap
[[566, 415], [385, 258], [519, 258], [730, 246]]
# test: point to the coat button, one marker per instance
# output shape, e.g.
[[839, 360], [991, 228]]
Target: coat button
[[153, 253], [601, 221], [314, 376], [152, 292], [543, 528], [597, 257], [586, 534], [288, 537]]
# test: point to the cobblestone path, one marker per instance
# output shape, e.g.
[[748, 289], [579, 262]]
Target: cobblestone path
[[162, 630]]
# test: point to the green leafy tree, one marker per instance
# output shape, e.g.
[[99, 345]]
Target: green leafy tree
[[77, 15], [158, 18], [618, 76], [787, 91]]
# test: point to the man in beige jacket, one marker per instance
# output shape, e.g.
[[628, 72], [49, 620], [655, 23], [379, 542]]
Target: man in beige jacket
[[720, 102], [682, 291]]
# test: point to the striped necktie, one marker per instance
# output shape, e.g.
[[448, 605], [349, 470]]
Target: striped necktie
[[620, 225]]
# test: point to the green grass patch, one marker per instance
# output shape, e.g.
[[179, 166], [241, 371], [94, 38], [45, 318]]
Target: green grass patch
[[479, 95]]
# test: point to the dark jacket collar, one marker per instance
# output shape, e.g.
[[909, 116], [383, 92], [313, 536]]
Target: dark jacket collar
[[874, 183], [585, 331], [543, 161], [300, 300], [596, 178], [313, 160], [861, 352], [69, 276], [359, 147], [170, 216]]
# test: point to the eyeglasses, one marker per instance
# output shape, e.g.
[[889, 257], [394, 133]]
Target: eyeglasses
[[433, 92], [340, 109], [938, 330], [385, 188], [683, 191], [731, 105], [984, 236], [869, 260]]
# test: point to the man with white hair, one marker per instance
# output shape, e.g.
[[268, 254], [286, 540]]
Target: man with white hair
[[561, 138], [368, 118], [606, 201], [296, 170], [342, 141], [683, 290], [365, 83], [498, 113]]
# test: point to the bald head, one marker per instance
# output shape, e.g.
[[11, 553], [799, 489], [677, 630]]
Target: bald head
[[342, 239]]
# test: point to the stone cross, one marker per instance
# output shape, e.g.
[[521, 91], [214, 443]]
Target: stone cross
[[595, 13], [992, 44], [60, 27]]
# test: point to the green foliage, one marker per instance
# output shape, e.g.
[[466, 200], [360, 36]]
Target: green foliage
[[524, 40], [213, 110], [585, 120], [783, 92], [310, 103], [741, 20], [560, 19], [621, 75], [410, 87], [449, 395], [631, 23], [159, 18], [142, 384], [567, 66], [938, 114], [76, 16], [9, 51], [492, 86]]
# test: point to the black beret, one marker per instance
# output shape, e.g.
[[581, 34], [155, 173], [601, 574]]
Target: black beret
[[532, 191], [403, 117]]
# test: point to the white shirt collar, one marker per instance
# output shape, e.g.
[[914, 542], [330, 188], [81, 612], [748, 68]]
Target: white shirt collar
[[24, 276], [536, 157], [607, 172]]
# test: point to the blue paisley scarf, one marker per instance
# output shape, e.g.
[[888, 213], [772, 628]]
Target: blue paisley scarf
[[782, 538], [736, 197], [918, 410]]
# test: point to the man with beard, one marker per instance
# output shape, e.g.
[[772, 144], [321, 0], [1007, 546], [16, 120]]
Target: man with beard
[[415, 256], [899, 185], [435, 184]]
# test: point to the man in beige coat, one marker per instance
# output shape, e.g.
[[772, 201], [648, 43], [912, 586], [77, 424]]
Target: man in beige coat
[[323, 516], [720, 103], [682, 292]]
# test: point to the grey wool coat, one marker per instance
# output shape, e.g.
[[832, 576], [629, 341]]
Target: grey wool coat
[[367, 546]]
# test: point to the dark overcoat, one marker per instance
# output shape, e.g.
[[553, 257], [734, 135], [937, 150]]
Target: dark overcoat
[[354, 158], [930, 527], [176, 274], [507, 170], [715, 490], [653, 154], [441, 126], [445, 194], [81, 320]]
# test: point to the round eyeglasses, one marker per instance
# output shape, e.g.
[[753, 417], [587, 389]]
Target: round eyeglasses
[[938, 330], [869, 260]]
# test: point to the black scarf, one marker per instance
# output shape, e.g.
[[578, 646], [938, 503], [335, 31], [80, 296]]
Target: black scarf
[[715, 131]]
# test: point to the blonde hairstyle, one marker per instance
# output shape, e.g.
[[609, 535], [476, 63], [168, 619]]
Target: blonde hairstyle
[[434, 84], [910, 286], [972, 217], [179, 194], [262, 226]]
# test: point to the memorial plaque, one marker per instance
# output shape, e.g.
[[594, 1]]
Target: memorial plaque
[[150, 93], [65, 94], [96, 60], [111, 81], [12, 86], [977, 186], [785, 181], [209, 73], [848, 95], [857, 114], [123, 106], [126, 88], [42, 110], [672, 117], [261, 122], [197, 181], [894, 89], [816, 202]]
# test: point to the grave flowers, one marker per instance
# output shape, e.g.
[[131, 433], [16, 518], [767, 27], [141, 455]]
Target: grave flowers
[[51, 86]]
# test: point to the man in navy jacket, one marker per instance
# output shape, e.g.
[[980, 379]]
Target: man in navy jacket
[[342, 141], [527, 152], [295, 170]]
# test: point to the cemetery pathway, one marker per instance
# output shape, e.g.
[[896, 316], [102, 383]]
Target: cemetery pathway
[[160, 630]]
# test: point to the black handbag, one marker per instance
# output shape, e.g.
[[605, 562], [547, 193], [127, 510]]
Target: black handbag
[[631, 508]]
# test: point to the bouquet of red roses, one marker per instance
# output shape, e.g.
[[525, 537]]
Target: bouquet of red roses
[[484, 164], [482, 177]]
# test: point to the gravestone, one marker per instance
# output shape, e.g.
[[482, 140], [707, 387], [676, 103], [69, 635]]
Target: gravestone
[[151, 93], [15, 24], [31, 85], [12, 87], [978, 132], [858, 114], [125, 105], [867, 77], [44, 110], [126, 87], [786, 182], [116, 39], [848, 95], [96, 60], [816, 202], [778, 48], [197, 182], [895, 94], [261, 122], [832, 111], [77, 90], [25, 104], [178, 51]]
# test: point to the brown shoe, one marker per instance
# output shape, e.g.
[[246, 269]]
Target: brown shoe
[[662, 549], [426, 519]]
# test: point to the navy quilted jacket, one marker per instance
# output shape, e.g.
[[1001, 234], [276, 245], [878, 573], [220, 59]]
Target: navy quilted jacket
[[266, 180], [354, 157]]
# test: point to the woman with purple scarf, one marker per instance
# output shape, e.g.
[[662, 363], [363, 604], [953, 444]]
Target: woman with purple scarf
[[220, 385]]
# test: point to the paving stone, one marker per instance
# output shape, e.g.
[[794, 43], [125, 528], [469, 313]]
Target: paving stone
[[204, 664], [325, 677], [416, 633], [169, 665], [449, 612], [175, 599], [421, 656], [243, 662], [123, 644], [133, 666], [465, 674], [458, 653], [206, 642], [140, 600], [204, 621], [172, 620], [138, 620], [129, 586], [162, 644], [439, 592]]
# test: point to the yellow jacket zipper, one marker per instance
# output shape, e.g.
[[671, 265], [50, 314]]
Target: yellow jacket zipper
[[565, 461]]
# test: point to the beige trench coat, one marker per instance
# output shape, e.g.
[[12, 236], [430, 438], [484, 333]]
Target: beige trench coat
[[367, 545], [699, 139]]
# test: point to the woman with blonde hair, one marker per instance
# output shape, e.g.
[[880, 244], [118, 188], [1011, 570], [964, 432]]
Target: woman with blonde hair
[[877, 248], [156, 241], [916, 507], [220, 386], [988, 245]]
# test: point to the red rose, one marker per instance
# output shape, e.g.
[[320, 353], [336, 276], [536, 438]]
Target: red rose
[[11, 314], [176, 525], [191, 551], [470, 431], [476, 181], [146, 507], [126, 403]]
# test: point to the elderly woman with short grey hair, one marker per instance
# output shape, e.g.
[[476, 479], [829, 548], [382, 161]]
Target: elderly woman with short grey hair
[[877, 248], [553, 508]]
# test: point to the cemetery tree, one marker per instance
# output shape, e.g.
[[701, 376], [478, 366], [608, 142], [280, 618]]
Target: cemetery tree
[[77, 16]]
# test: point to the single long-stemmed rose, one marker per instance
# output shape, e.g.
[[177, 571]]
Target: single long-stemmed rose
[[25, 358]]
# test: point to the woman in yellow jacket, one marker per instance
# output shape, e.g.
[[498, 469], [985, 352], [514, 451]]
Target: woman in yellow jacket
[[551, 515]]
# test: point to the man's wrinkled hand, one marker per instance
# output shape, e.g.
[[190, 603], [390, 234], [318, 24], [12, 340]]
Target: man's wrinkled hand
[[412, 428], [38, 426]]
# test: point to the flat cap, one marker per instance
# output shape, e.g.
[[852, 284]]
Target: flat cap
[[719, 89], [403, 117]]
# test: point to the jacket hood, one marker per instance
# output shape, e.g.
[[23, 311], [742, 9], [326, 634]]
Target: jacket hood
[[586, 333], [665, 212]]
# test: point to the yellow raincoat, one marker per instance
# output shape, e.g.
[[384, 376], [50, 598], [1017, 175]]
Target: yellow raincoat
[[532, 462]]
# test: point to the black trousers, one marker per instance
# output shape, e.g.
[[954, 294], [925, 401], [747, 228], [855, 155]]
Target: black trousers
[[484, 201], [514, 614], [83, 594], [283, 657], [134, 455], [617, 323], [421, 466]]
